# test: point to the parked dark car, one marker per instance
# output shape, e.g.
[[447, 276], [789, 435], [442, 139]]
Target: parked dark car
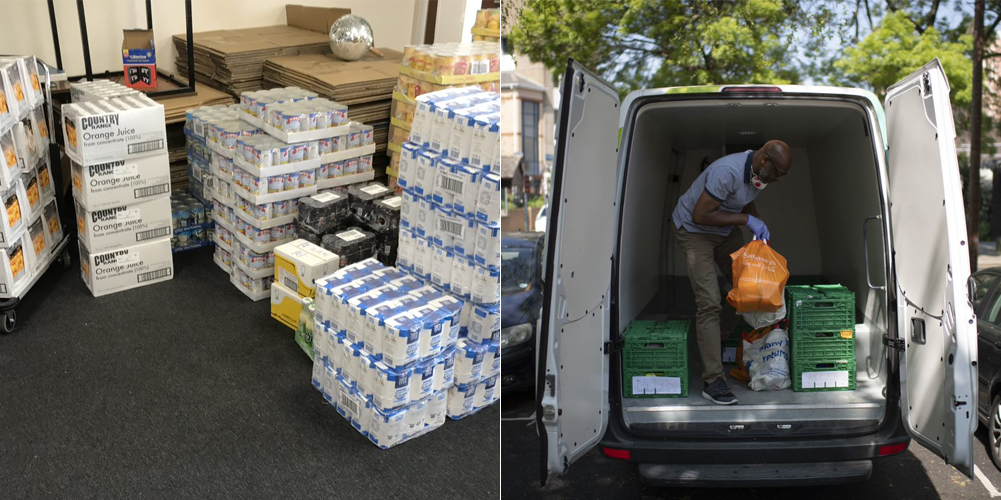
[[987, 304], [521, 306]]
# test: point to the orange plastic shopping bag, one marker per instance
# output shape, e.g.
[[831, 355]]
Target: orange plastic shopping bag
[[759, 277]]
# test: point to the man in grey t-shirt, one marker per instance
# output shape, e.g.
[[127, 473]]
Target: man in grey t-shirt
[[720, 198]]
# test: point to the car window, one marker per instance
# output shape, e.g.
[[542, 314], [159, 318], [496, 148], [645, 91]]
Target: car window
[[517, 270], [984, 284], [993, 313]]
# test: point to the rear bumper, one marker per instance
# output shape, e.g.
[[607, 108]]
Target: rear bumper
[[733, 451], [752, 475]]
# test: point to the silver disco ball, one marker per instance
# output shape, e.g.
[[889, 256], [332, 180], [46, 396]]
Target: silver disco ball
[[351, 37]]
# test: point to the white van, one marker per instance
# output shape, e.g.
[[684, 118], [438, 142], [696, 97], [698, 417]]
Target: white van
[[872, 202]]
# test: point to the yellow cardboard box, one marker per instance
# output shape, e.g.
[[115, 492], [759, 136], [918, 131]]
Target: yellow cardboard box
[[285, 306], [299, 263]]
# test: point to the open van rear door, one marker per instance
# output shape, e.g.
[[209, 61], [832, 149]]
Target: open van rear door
[[572, 388], [935, 316]]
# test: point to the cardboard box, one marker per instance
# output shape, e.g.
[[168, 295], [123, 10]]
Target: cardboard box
[[9, 167], [121, 182], [53, 228], [316, 19], [32, 195], [40, 243], [126, 268], [299, 263], [17, 97], [31, 86], [119, 227], [99, 90], [17, 264], [114, 129], [139, 59], [14, 216], [285, 306]]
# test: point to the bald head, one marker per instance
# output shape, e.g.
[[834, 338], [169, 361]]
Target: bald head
[[772, 161]]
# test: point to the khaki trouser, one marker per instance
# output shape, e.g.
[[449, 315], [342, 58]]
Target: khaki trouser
[[715, 318]]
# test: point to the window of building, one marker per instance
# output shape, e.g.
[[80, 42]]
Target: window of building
[[530, 135]]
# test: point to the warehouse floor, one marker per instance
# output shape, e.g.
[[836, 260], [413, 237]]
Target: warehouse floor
[[187, 389]]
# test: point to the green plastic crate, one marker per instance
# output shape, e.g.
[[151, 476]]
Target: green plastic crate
[[801, 368], [819, 308], [627, 381], [659, 347], [823, 345]]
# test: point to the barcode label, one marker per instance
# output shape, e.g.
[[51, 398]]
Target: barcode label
[[288, 279], [199, 128], [152, 233], [153, 275], [454, 228], [349, 404], [143, 147], [152, 190], [449, 182]]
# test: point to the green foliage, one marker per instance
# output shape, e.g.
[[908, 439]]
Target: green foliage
[[645, 43], [895, 49], [536, 201]]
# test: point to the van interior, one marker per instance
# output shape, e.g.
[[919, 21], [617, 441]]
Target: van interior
[[815, 215]]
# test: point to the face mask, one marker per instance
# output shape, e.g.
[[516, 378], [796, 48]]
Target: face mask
[[757, 182]]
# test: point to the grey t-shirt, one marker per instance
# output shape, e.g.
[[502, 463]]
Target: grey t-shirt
[[728, 181]]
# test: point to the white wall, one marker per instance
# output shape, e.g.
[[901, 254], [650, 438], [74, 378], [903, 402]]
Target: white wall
[[455, 20], [26, 24]]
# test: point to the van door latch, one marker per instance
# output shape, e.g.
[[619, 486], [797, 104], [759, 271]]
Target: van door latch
[[615, 345], [958, 402], [893, 343]]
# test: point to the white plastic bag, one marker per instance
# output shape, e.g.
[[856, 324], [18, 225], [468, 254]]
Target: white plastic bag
[[767, 361], [761, 319]]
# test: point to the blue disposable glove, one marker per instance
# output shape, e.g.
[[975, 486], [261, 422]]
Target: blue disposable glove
[[758, 227]]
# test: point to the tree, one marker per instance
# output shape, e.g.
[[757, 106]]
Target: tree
[[642, 43], [895, 48], [973, 206]]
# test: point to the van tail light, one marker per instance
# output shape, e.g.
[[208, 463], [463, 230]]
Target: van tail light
[[619, 454], [753, 89], [892, 449]]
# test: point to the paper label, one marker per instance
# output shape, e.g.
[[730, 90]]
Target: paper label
[[656, 385], [394, 202], [847, 334], [452, 225], [450, 182], [351, 235], [819, 380], [325, 197], [128, 215], [288, 279], [374, 189], [126, 170]]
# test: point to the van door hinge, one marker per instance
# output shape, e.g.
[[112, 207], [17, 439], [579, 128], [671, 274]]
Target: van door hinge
[[894, 343], [615, 345]]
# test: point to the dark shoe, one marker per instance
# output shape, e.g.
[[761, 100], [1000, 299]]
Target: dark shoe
[[719, 393]]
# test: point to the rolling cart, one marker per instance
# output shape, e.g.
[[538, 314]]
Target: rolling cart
[[60, 250]]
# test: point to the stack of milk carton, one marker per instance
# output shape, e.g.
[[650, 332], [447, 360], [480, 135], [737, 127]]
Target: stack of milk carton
[[450, 222], [116, 140], [29, 227], [385, 351]]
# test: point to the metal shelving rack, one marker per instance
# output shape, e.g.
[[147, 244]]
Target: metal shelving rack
[[60, 251]]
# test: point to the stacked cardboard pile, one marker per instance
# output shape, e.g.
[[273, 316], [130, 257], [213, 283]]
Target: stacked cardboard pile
[[233, 60], [29, 221], [121, 185]]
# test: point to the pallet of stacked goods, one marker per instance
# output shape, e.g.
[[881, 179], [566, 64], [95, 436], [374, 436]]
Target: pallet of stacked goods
[[487, 26], [116, 142], [429, 68], [266, 153], [822, 331], [450, 223], [655, 359], [388, 352], [191, 222], [31, 235]]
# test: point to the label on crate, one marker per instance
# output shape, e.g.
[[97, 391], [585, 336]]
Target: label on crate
[[820, 380], [288, 279], [846, 334], [374, 190], [324, 197], [351, 235], [450, 182], [125, 169], [656, 385]]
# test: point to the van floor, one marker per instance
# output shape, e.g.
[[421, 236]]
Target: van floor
[[865, 403]]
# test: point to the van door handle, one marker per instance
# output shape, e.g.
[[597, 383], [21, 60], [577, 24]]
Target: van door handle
[[865, 251], [997, 345]]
